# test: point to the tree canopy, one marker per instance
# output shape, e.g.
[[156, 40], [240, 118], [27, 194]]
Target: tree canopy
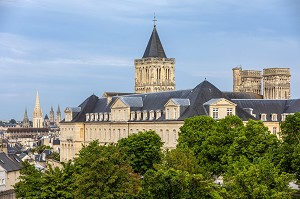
[[142, 149]]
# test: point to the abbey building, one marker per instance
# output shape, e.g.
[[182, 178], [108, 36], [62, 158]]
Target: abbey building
[[156, 105]]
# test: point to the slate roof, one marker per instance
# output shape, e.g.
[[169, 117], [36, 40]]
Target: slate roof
[[197, 98], [154, 47], [132, 101], [7, 163], [181, 102], [269, 107]]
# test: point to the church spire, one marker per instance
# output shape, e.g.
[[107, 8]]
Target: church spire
[[25, 123], [154, 47], [37, 100], [37, 113]]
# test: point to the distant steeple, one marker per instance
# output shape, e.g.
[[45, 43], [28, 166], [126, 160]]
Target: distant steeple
[[37, 113], [58, 116], [154, 47], [25, 123], [51, 115]]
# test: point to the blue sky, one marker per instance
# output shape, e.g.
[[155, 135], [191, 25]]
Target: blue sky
[[70, 49]]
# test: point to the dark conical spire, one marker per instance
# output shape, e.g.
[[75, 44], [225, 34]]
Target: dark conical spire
[[154, 47]]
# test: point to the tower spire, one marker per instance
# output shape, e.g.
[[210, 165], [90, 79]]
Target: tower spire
[[37, 113], [37, 100], [25, 123], [154, 47]]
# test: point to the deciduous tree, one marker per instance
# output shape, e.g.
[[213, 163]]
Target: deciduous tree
[[143, 150]]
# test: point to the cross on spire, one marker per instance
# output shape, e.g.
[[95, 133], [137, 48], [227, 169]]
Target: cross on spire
[[154, 20]]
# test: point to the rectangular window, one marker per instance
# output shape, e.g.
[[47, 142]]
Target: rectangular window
[[215, 113], [175, 113], [274, 130], [229, 111]]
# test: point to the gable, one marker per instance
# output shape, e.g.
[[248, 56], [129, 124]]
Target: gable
[[170, 102], [118, 104], [219, 102]]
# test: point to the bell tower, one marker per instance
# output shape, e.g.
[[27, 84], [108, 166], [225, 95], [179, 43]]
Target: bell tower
[[154, 72]]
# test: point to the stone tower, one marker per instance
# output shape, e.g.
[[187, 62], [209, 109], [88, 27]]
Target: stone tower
[[246, 80], [37, 113], [58, 116], [154, 72], [26, 123], [277, 83], [51, 116]]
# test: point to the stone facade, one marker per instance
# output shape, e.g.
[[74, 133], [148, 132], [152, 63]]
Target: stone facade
[[246, 80], [276, 82], [154, 74]]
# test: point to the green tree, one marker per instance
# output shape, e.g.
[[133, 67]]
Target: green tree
[[253, 142], [194, 131], [180, 159], [59, 183], [30, 182], [290, 148], [143, 150], [55, 156], [53, 183], [210, 140], [257, 179], [104, 173], [179, 184]]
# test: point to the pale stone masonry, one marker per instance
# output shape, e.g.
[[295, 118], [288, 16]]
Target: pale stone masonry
[[276, 82], [154, 72]]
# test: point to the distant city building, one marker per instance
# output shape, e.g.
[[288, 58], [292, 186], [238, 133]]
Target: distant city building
[[276, 82]]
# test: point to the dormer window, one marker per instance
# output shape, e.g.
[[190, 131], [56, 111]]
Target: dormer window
[[100, 116], [158, 114], [263, 117], [132, 115], [274, 117], [151, 115], [87, 117], [105, 116], [91, 116], [145, 115], [138, 115], [96, 116]]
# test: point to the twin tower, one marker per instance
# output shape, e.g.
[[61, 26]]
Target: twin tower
[[276, 82]]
